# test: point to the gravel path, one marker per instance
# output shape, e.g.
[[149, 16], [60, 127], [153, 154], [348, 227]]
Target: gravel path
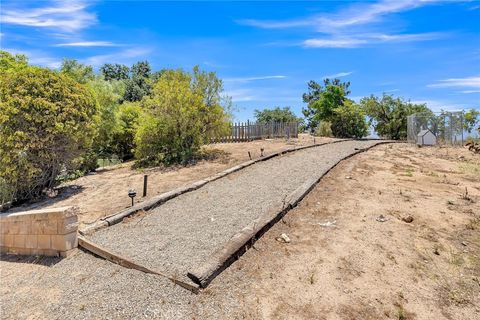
[[182, 233]]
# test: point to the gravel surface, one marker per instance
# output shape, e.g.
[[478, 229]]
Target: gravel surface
[[86, 287], [181, 234]]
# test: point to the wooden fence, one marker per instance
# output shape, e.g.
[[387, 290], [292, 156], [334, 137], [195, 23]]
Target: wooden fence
[[246, 131]]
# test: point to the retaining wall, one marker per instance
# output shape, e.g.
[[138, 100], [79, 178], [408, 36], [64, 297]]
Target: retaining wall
[[48, 232]]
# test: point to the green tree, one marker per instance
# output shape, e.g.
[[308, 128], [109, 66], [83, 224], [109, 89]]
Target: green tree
[[471, 119], [77, 71], [115, 71], [11, 63], [171, 129], [108, 95], [141, 69], [388, 115], [323, 100], [127, 120], [46, 121], [348, 121], [276, 114], [183, 112], [215, 112], [140, 84]]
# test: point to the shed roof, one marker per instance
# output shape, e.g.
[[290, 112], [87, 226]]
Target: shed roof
[[424, 132]]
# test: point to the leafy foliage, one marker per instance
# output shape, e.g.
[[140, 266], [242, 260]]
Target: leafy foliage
[[215, 112], [471, 120], [108, 95], [322, 101], [324, 129], [115, 71], [388, 115], [276, 114], [349, 121], [46, 121], [12, 63], [77, 71], [127, 118], [181, 114]]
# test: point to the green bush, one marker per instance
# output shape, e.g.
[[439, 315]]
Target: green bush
[[324, 129], [348, 121], [46, 121], [170, 130], [123, 140], [181, 114], [388, 115]]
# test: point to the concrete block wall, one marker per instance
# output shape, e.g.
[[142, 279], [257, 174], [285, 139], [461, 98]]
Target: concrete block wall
[[48, 232]]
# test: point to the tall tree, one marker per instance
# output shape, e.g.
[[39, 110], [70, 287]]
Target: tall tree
[[80, 72], [322, 100], [11, 63], [276, 114], [388, 115], [115, 71], [471, 119], [139, 85]]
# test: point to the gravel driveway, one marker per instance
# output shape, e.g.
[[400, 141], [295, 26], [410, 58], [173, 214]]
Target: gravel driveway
[[182, 233]]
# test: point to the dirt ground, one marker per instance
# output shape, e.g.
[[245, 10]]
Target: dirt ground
[[359, 267], [104, 193], [351, 255]]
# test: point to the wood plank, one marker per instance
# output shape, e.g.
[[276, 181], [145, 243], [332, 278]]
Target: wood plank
[[124, 262]]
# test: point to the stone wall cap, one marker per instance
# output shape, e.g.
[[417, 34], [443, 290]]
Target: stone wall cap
[[61, 210]]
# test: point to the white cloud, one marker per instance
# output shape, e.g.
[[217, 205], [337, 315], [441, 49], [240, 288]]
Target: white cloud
[[87, 44], [467, 82], [126, 56], [438, 105], [67, 16], [339, 75], [357, 14], [358, 40], [470, 91], [333, 43], [247, 79], [240, 95], [341, 29]]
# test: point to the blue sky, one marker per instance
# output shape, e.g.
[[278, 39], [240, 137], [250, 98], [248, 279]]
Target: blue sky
[[266, 52]]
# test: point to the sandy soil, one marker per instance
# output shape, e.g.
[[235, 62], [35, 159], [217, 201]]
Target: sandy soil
[[359, 268], [182, 234], [104, 193]]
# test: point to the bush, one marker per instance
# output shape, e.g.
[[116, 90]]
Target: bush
[[182, 113], [324, 129], [123, 140], [46, 121], [349, 121], [171, 129], [276, 114], [388, 115]]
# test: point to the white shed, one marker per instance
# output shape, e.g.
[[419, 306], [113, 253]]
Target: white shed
[[426, 138]]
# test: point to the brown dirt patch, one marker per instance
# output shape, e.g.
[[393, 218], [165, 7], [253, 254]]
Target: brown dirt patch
[[361, 268]]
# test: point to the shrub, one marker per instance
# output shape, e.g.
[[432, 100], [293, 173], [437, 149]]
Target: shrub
[[324, 129], [349, 121], [108, 95], [183, 112], [170, 132], [388, 115], [123, 140], [276, 114], [46, 121]]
